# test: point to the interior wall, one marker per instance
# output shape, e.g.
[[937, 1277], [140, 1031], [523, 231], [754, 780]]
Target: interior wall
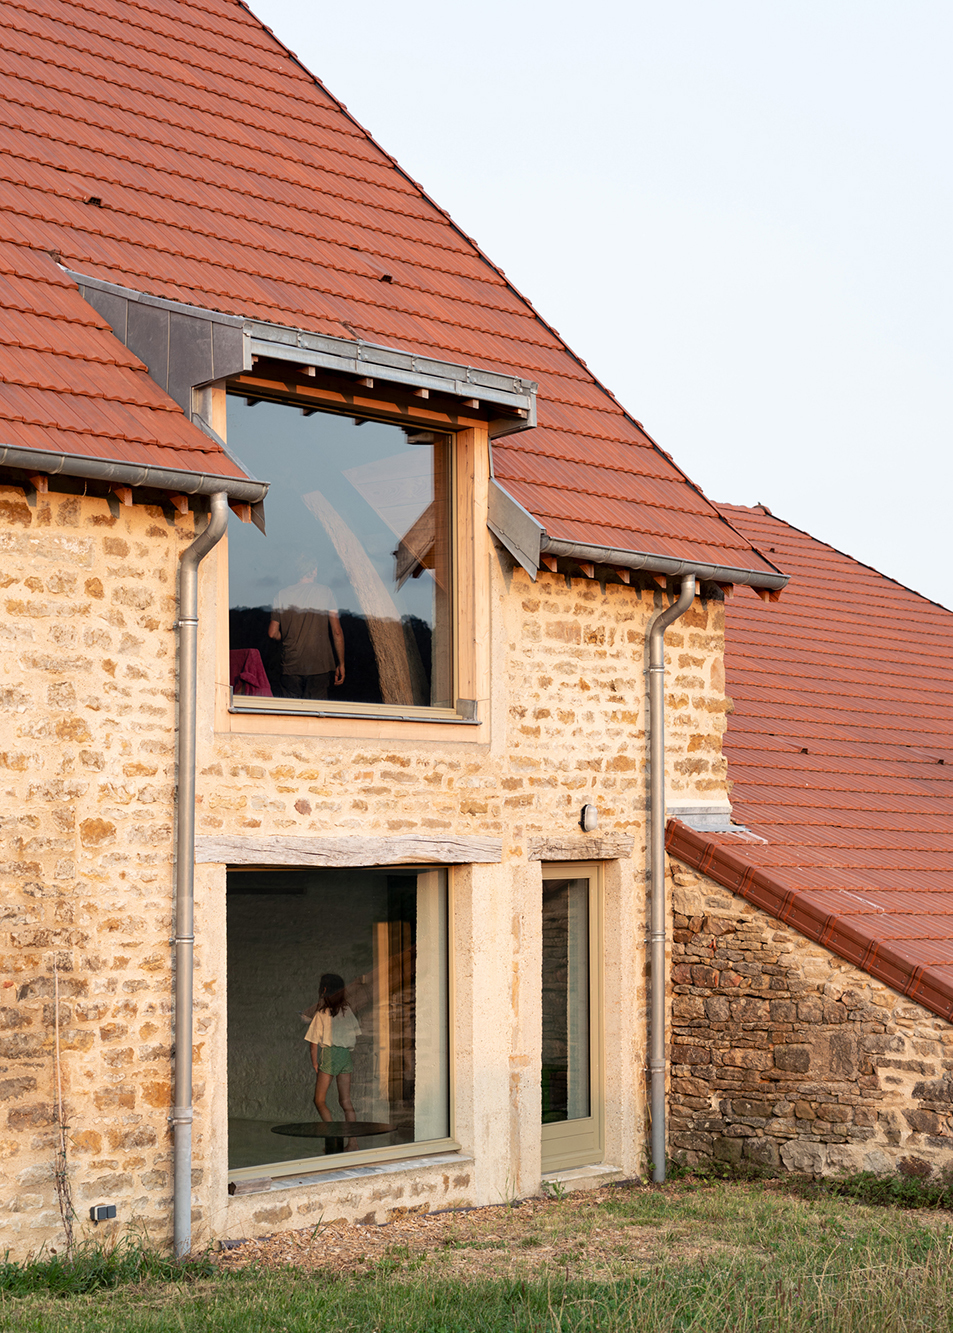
[[278, 946]]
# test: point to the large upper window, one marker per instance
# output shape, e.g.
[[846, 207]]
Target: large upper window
[[348, 599]]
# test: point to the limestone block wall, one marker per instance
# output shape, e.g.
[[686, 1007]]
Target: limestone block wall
[[87, 774], [565, 724], [785, 1055], [87, 741]]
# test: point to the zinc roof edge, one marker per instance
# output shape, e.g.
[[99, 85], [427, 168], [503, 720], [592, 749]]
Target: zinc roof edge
[[162, 302], [131, 474], [662, 564], [512, 385], [732, 871]]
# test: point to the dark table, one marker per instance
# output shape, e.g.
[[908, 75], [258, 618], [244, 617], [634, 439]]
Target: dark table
[[335, 1131]]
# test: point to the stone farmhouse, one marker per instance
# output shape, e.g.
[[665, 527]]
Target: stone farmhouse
[[355, 640]]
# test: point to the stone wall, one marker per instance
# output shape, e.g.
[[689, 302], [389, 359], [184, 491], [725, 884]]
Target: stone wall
[[565, 724], [87, 772], [87, 662], [784, 1054]]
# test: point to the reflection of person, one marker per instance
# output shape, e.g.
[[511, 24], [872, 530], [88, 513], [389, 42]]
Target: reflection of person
[[331, 1037], [301, 619]]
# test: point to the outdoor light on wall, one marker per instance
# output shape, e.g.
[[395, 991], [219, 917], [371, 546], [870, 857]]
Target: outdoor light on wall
[[589, 818]]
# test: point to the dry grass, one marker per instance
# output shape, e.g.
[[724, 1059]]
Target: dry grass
[[692, 1257], [596, 1236]]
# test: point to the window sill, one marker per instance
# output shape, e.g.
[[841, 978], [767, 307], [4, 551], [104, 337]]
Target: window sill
[[262, 706], [306, 1172]]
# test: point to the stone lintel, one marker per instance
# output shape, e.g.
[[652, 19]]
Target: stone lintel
[[614, 848], [356, 851]]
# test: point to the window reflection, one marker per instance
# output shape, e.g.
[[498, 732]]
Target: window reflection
[[565, 1056], [347, 599], [340, 974]]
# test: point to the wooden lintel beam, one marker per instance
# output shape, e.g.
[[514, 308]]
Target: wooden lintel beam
[[40, 482], [473, 403], [623, 575], [550, 562], [124, 493], [588, 569], [241, 510], [179, 502]]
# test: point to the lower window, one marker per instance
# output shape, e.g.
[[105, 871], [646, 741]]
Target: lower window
[[571, 1073], [338, 1032]]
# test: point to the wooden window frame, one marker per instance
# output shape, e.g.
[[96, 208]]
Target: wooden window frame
[[289, 1173], [573, 1143], [470, 469]]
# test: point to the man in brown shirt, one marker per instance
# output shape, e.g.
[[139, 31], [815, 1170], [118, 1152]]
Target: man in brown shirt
[[305, 620]]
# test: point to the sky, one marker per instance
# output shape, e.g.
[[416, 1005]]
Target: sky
[[739, 213]]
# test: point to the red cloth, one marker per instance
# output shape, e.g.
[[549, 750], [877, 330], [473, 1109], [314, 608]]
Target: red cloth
[[246, 673]]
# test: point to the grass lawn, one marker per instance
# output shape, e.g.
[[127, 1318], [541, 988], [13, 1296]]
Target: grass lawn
[[701, 1255]]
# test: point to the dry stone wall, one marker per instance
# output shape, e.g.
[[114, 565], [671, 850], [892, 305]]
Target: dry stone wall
[[782, 1054]]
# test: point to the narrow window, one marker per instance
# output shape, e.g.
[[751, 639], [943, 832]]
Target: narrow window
[[348, 599], [571, 1073], [345, 970]]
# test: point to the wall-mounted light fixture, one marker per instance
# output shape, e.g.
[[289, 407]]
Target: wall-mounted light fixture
[[589, 818]]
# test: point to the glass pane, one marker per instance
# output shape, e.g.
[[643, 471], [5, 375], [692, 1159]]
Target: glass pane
[[334, 967], [348, 597], [566, 1090]]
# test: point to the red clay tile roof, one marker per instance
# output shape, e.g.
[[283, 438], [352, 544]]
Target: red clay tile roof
[[840, 751], [228, 178], [68, 385]]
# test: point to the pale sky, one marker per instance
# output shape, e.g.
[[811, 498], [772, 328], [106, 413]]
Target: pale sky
[[737, 212]]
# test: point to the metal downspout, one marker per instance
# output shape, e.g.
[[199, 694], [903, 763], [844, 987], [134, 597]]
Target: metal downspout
[[656, 674], [187, 625]]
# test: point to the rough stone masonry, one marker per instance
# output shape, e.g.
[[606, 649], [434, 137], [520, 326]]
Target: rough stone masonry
[[785, 1055]]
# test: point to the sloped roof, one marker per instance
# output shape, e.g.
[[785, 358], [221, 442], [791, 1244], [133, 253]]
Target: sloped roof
[[68, 385], [178, 149], [840, 752]]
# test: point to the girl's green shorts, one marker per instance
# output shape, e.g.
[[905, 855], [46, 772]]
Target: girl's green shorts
[[334, 1060]]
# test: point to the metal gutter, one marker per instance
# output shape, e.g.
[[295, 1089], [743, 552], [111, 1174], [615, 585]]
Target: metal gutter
[[662, 564], [187, 625], [131, 474], [876, 957], [656, 675]]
